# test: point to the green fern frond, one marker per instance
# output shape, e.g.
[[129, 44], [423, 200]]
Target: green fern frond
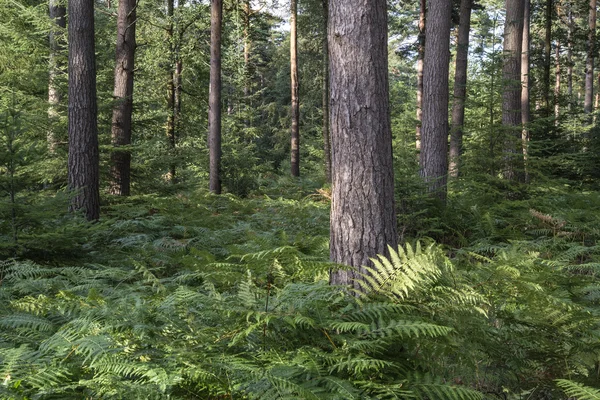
[[578, 390]]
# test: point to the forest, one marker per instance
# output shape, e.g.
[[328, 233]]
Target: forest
[[299, 199]]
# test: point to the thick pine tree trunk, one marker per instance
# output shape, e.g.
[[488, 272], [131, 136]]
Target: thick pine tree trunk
[[123, 96], [295, 145], [460, 87], [420, 57], [56, 68], [326, 136], [434, 128], [83, 160], [214, 97], [363, 219], [511, 96], [589, 63], [525, 107]]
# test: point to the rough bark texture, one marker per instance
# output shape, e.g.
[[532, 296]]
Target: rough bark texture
[[214, 97], [363, 220], [460, 87], [511, 94], [83, 126], [123, 96], [420, 57], [326, 136], [434, 128], [295, 145], [557, 85], [56, 68], [589, 63], [525, 107], [570, 56]]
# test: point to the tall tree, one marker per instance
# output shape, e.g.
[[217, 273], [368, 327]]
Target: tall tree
[[525, 82], [434, 128], [460, 86], [420, 57], [123, 96], [363, 219], [511, 94], [557, 83], [547, 55], [589, 63], [57, 15], [326, 136], [571, 28], [83, 125], [214, 97], [171, 88], [295, 145]]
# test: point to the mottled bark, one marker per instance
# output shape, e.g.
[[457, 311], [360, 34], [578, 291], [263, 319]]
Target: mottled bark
[[420, 56], [83, 160], [525, 107], [326, 136], [214, 97], [589, 62], [363, 220], [295, 109], [56, 68], [460, 87], [511, 94], [123, 96], [434, 128]]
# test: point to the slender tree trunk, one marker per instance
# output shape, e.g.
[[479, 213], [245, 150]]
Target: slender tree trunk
[[363, 218], [326, 136], [214, 96], [83, 160], [460, 87], [557, 85], [171, 135], [511, 96], [547, 55], [434, 128], [589, 63], [123, 96], [56, 68], [247, 12], [295, 145], [420, 57], [570, 57], [525, 107]]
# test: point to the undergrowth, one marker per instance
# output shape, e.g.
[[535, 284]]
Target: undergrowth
[[195, 296]]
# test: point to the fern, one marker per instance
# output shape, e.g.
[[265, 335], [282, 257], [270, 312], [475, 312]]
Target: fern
[[578, 390]]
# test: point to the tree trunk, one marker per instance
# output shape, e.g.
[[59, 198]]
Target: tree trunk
[[56, 67], [460, 87], [123, 96], [171, 135], [83, 125], [547, 59], [570, 56], [420, 57], [589, 63], [363, 219], [557, 85], [511, 96], [214, 97], [434, 128], [525, 107], [326, 136], [295, 145]]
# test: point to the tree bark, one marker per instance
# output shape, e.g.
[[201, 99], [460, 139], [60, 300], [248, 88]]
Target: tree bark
[[420, 57], [214, 97], [525, 107], [547, 59], [123, 96], [326, 136], [511, 96], [363, 219], [434, 128], [56, 67], [83, 160], [570, 56], [460, 87], [171, 116], [589, 63], [557, 84], [295, 145]]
